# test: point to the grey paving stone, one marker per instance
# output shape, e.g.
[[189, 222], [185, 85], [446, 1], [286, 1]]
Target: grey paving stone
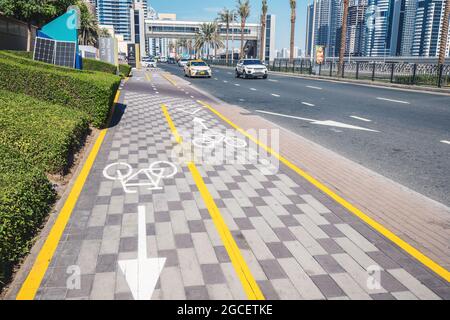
[[106, 263], [329, 264], [93, 233], [196, 293], [84, 290], [284, 234], [128, 244], [196, 226], [279, 250], [171, 257], [272, 269], [53, 294], [331, 231], [183, 241], [268, 290], [222, 254], [162, 216], [113, 219], [327, 286], [289, 221], [151, 229], [212, 273], [330, 246], [244, 223], [382, 296]]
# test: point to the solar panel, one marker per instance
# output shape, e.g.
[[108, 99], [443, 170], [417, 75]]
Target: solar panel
[[61, 53], [44, 50], [65, 54]]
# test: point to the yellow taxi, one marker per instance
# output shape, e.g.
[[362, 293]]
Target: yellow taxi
[[197, 68]]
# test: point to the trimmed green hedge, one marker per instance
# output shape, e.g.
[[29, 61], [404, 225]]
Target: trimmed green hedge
[[97, 65], [46, 134], [26, 197], [125, 69], [90, 92]]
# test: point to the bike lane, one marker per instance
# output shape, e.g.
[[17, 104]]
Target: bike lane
[[168, 229]]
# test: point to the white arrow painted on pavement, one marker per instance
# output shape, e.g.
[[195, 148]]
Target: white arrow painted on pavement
[[142, 273], [201, 122], [322, 123]]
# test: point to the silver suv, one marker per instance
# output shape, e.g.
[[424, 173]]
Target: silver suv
[[251, 68]]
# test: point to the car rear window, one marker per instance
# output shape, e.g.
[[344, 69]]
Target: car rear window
[[249, 62]]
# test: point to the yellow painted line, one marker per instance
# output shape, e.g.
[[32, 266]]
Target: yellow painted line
[[174, 130], [40, 266], [148, 76], [248, 282], [166, 76], [438, 269]]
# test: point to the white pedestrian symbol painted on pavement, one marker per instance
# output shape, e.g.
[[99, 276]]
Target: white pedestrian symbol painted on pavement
[[154, 174]]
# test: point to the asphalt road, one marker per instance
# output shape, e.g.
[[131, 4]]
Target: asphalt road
[[409, 137]]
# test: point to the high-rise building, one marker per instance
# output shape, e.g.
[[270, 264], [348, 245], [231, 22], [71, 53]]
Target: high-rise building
[[426, 33], [269, 50], [117, 14], [383, 28], [410, 7], [309, 30], [327, 14], [355, 28]]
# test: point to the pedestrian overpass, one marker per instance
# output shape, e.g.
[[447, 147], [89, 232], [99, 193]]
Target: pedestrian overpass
[[173, 29]]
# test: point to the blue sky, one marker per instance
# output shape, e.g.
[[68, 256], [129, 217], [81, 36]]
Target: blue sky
[[200, 10]]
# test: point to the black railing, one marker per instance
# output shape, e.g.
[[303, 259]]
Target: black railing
[[425, 74]]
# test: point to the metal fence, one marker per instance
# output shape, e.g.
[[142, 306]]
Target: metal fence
[[409, 73]]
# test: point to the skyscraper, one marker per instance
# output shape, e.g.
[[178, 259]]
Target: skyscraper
[[427, 22], [327, 14], [355, 28], [309, 30], [383, 28], [117, 14]]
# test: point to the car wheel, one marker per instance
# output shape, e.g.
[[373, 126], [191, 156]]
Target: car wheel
[[265, 76], [237, 74]]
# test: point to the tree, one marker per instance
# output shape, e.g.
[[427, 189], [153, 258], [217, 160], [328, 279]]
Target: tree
[[227, 16], [264, 9], [104, 33], [444, 34], [208, 36], [243, 10], [34, 12], [293, 4], [343, 38], [89, 32]]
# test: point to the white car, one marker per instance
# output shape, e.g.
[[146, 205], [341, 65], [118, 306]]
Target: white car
[[150, 63], [197, 68], [182, 62], [251, 68]]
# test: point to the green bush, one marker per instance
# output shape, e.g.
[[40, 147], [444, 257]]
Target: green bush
[[97, 65], [90, 92], [46, 134], [26, 197], [23, 54], [125, 69]]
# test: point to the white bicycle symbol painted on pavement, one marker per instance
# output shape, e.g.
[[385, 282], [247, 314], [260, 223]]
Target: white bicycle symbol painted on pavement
[[212, 138], [155, 173]]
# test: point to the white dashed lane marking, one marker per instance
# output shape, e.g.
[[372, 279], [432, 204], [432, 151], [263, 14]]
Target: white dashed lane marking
[[308, 104], [445, 141], [275, 95], [392, 100], [313, 87], [362, 119]]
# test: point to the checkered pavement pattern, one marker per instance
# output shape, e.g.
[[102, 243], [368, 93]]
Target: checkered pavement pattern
[[297, 242]]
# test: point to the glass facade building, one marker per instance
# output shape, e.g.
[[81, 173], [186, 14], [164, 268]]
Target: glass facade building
[[116, 13]]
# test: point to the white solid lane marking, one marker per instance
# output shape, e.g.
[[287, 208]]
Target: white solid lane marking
[[330, 123], [313, 87], [308, 104], [392, 100], [275, 95], [445, 141], [272, 80], [362, 119], [253, 89], [285, 115]]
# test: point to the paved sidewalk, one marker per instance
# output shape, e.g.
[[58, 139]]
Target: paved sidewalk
[[293, 240]]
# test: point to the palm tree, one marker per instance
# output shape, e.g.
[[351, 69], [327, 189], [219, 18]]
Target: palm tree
[[227, 16], [89, 32], [208, 36], [243, 10], [264, 9], [293, 4], [444, 33], [343, 38]]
